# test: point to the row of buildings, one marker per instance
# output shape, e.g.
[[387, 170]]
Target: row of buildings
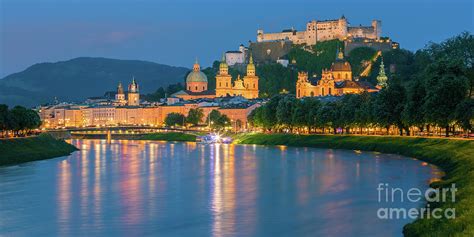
[[234, 98], [81, 115]]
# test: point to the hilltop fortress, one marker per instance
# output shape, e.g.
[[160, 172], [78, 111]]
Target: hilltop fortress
[[324, 30]]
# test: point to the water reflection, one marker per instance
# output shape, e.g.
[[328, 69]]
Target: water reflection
[[135, 188]]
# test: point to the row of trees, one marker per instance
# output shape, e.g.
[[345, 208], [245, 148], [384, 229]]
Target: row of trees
[[18, 121], [435, 90], [162, 92], [215, 119]]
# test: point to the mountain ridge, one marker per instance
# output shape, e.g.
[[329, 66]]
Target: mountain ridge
[[82, 77]]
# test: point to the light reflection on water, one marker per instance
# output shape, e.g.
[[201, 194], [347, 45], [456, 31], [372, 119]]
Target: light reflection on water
[[146, 188]]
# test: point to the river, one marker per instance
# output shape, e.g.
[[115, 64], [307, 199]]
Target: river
[[151, 188]]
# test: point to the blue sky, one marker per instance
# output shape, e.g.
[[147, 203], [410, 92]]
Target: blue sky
[[175, 32]]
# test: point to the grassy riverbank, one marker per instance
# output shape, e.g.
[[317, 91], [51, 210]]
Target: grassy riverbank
[[19, 150], [455, 157], [170, 136]]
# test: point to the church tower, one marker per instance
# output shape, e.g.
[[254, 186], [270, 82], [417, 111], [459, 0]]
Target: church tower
[[120, 96], [223, 79], [382, 77], [133, 94], [251, 81]]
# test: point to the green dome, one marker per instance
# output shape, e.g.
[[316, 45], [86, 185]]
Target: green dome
[[196, 76]]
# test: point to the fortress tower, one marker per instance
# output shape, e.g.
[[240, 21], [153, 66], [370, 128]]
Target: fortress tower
[[133, 94], [311, 34]]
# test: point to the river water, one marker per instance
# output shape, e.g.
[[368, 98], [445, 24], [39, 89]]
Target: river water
[[150, 188]]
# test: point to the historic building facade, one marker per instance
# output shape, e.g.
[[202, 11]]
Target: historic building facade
[[335, 81], [246, 87], [196, 83], [324, 30]]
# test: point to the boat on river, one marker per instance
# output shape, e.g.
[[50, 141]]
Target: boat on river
[[213, 138]]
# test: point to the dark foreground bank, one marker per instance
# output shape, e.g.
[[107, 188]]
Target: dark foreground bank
[[455, 157], [44, 146]]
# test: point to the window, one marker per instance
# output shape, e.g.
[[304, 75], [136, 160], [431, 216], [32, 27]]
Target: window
[[203, 88], [253, 85], [298, 93], [330, 91], [227, 84], [322, 91], [312, 93], [196, 88], [220, 84]]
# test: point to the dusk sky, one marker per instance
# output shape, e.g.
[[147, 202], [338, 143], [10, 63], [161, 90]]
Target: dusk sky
[[175, 32]]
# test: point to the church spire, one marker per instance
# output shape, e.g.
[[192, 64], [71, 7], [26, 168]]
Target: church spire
[[339, 54], [120, 88], [382, 77], [196, 66], [250, 67], [223, 67]]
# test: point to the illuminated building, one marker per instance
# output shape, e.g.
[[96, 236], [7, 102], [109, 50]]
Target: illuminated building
[[336, 81]]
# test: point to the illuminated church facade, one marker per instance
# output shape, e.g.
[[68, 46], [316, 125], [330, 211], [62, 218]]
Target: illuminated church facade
[[197, 83], [335, 81]]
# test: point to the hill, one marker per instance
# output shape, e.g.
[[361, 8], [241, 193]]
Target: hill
[[79, 78]]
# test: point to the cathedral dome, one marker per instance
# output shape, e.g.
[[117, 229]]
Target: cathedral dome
[[196, 77], [341, 66]]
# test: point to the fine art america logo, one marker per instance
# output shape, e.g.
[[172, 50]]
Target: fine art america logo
[[389, 196]]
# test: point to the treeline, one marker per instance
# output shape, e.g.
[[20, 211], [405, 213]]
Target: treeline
[[195, 117], [436, 95], [163, 92], [17, 121]]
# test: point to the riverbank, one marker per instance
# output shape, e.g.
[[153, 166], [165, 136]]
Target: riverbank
[[454, 157], [44, 146], [170, 136]]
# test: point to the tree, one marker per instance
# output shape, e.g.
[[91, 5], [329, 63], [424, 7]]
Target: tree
[[195, 116], [284, 111], [464, 114], [268, 116], [218, 121], [3, 117], [175, 119], [299, 114], [311, 107], [389, 105], [413, 113], [459, 48], [364, 114], [161, 92], [358, 57], [327, 116], [446, 86]]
